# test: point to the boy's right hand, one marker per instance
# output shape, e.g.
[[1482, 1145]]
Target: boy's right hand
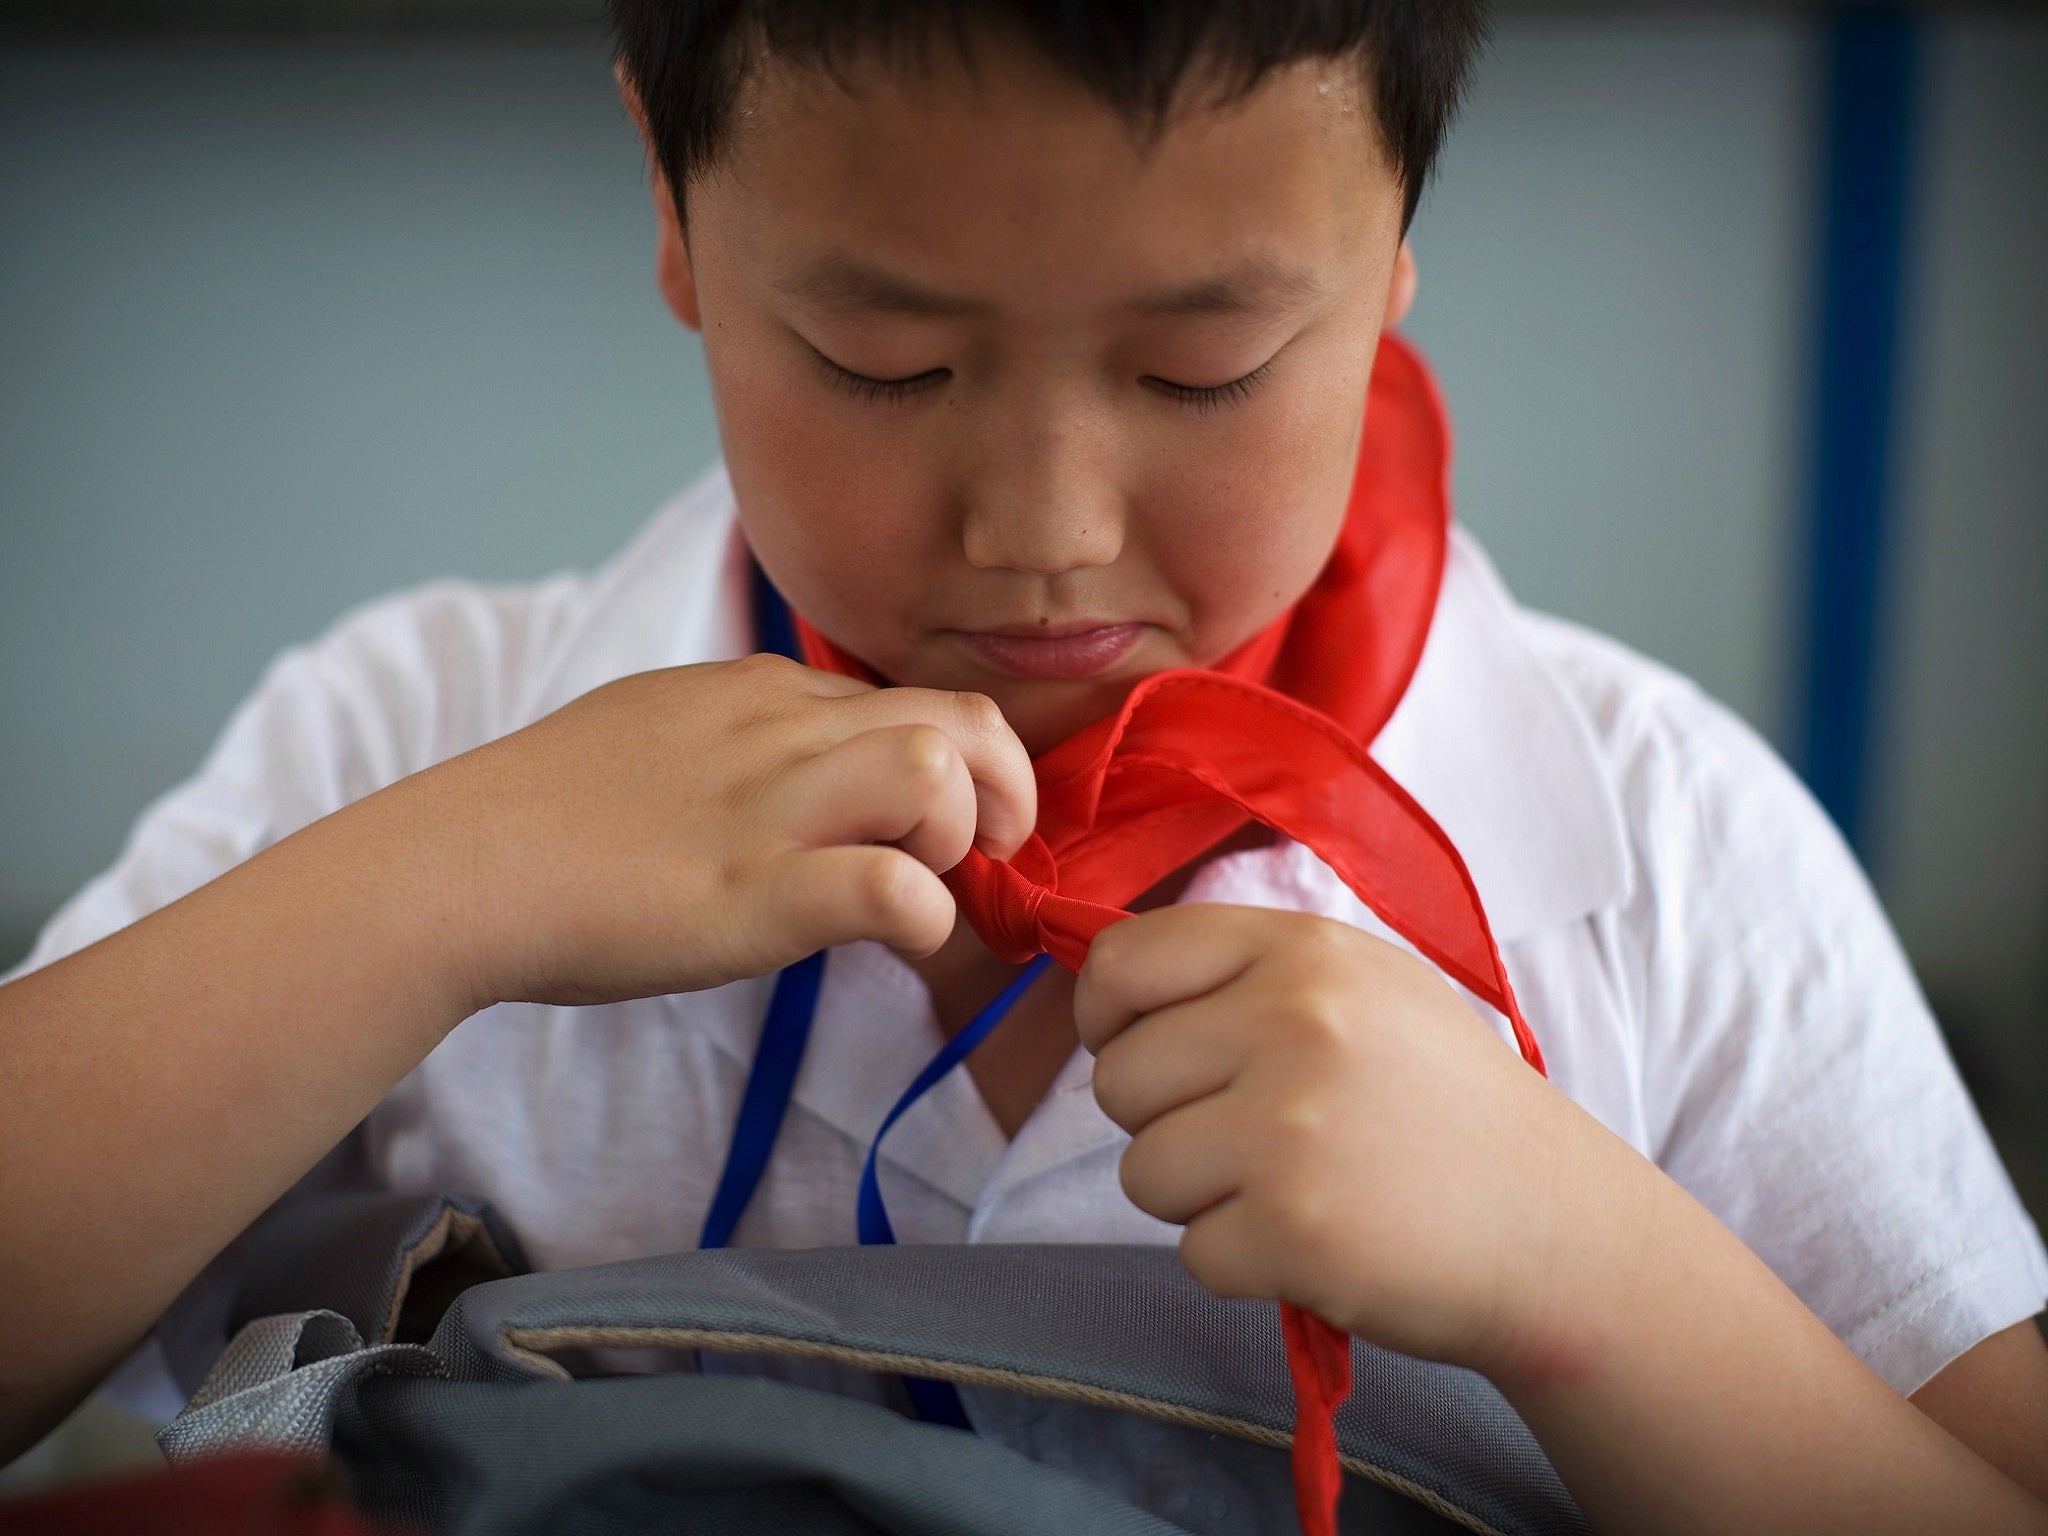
[[680, 829]]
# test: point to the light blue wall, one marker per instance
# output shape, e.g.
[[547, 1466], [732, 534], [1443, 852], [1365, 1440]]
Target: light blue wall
[[1613, 262], [282, 328]]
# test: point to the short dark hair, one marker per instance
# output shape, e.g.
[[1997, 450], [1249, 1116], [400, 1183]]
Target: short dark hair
[[686, 57]]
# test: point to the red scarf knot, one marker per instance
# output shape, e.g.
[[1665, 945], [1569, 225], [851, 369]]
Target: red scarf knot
[[1012, 895]]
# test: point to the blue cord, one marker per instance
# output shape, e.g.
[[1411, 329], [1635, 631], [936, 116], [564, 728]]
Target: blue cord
[[936, 1402], [871, 1216], [784, 1034]]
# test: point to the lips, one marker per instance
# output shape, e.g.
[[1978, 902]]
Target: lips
[[1067, 652]]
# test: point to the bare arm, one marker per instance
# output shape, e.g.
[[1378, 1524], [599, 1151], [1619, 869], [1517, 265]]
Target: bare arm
[[1994, 1398], [1687, 1390], [168, 1083], [668, 832]]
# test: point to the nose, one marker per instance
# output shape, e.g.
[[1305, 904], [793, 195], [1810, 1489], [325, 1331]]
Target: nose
[[1043, 498]]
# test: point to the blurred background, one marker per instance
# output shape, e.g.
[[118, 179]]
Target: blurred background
[[1742, 313]]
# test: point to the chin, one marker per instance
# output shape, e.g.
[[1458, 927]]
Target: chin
[[1044, 714]]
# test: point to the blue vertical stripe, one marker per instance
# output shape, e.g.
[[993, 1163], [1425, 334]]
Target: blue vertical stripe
[[1871, 58]]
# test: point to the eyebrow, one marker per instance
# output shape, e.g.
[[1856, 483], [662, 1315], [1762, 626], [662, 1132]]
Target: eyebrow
[[844, 283], [1258, 286]]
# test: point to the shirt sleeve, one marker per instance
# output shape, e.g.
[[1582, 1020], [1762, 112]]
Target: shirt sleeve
[[391, 689], [1795, 1079]]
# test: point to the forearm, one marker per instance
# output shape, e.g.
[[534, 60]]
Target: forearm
[[165, 1085], [1685, 1389]]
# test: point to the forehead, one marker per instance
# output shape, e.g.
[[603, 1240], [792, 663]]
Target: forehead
[[1001, 179]]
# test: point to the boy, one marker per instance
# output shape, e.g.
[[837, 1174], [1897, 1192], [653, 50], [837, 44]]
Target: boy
[[1041, 336]]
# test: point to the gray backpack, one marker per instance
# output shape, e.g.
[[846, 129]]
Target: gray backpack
[[1109, 1393]]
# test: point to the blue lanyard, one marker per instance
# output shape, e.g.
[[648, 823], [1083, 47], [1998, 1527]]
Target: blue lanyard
[[784, 1034]]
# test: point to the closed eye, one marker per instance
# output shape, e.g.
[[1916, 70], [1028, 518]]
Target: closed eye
[[1210, 397], [886, 391]]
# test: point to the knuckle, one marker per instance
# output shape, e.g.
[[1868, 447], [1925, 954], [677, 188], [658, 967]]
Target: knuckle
[[887, 888], [1321, 946], [1318, 1020], [978, 714], [925, 757], [764, 669], [763, 690]]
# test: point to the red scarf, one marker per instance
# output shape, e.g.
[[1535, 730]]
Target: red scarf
[[1275, 733]]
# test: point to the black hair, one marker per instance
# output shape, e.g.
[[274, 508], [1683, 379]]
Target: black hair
[[686, 58]]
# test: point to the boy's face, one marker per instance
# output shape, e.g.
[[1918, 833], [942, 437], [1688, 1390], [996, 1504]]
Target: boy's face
[[1014, 402]]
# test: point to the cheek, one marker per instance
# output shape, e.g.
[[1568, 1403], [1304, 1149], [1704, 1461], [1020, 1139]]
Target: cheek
[[1250, 520], [831, 510]]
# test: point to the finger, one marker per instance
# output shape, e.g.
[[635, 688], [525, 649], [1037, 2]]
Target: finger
[[1163, 957], [1185, 1162], [1169, 1058], [903, 784], [826, 896], [1227, 1253], [1005, 791]]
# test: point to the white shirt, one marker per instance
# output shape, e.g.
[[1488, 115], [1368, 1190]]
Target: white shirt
[[1704, 965]]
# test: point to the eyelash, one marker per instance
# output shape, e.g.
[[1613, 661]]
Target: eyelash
[[1213, 397], [1201, 398], [879, 391]]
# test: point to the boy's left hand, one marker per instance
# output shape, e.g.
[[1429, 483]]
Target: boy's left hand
[[1336, 1127]]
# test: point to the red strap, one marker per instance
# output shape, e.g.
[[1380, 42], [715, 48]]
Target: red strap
[[1319, 1357]]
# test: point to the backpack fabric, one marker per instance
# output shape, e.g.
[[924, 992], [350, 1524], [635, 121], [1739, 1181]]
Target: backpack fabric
[[756, 1390]]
